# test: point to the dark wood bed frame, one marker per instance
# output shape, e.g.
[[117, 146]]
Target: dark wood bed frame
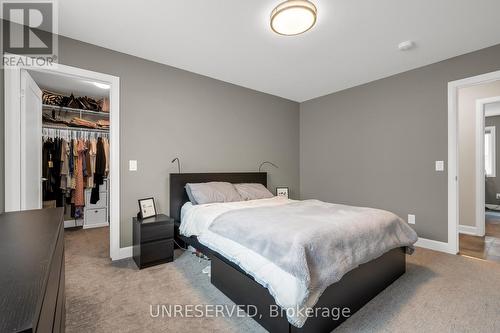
[[353, 291]]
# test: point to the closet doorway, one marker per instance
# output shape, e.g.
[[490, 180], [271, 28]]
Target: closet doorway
[[62, 146], [455, 181]]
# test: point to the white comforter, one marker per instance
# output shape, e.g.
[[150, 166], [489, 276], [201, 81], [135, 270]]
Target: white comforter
[[291, 291]]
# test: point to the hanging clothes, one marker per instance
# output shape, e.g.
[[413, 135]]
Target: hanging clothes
[[56, 171], [88, 171], [51, 168], [92, 157], [71, 157], [75, 162], [100, 171], [106, 153], [48, 170], [64, 165], [71, 165], [79, 181]]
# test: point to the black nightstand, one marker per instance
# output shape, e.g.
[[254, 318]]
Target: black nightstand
[[153, 240]]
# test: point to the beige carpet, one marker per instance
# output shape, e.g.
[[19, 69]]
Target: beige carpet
[[439, 293]]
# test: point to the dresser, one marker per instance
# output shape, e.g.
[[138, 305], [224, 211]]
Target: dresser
[[153, 240], [32, 271]]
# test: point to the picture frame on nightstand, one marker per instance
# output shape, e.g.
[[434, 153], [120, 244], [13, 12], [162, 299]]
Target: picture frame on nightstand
[[282, 191], [147, 208]]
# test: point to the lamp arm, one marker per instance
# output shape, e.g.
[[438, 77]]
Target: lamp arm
[[267, 162], [178, 164]]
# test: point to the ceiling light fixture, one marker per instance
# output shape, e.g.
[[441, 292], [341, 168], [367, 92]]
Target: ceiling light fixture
[[293, 17], [101, 85]]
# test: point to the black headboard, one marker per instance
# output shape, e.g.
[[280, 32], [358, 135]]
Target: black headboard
[[178, 181]]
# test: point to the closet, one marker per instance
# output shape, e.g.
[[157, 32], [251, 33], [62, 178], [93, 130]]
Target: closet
[[75, 149], [68, 154]]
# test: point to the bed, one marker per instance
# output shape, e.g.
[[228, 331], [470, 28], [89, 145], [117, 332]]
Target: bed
[[352, 291]]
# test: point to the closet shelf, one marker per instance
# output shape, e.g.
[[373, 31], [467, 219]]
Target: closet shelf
[[80, 111], [76, 129]]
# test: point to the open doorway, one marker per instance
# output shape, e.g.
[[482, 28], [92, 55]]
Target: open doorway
[[479, 217], [75, 148], [50, 108]]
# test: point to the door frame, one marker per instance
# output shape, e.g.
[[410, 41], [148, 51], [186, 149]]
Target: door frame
[[29, 83], [453, 180], [12, 123], [480, 228]]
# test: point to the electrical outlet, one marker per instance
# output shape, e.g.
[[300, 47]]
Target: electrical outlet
[[411, 219], [498, 196]]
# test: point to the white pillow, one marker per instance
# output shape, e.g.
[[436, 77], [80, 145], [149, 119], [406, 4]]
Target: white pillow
[[253, 191], [203, 193]]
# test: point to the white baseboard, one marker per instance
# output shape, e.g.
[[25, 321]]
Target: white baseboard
[[73, 223], [69, 224], [434, 245], [468, 230], [123, 253], [126, 252], [99, 225]]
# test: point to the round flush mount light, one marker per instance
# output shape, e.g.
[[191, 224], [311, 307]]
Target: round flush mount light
[[293, 17]]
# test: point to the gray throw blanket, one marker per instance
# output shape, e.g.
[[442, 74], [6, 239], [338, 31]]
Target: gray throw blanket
[[314, 241]]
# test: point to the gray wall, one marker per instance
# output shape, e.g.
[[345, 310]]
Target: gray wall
[[372, 145], [492, 186], [211, 125], [375, 144]]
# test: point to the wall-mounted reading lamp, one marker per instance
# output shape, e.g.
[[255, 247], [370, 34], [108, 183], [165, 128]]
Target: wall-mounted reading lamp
[[267, 162], [178, 164]]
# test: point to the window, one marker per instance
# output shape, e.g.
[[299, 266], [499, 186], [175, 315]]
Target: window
[[489, 152]]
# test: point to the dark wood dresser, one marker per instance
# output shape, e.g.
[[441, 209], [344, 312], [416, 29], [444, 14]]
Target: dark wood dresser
[[32, 271], [153, 240]]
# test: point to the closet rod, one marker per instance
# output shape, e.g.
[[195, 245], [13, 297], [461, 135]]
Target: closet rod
[[76, 129], [56, 132]]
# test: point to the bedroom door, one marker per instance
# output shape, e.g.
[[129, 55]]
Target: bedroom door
[[30, 143]]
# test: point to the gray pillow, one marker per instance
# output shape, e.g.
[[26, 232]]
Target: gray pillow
[[190, 195], [251, 191], [203, 193]]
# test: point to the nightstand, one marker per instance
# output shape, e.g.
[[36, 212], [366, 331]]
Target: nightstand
[[153, 240]]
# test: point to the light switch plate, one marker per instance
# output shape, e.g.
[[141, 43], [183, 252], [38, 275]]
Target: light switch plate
[[411, 219], [132, 165], [439, 165]]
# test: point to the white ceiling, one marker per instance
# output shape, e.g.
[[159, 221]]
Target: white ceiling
[[354, 41], [67, 85]]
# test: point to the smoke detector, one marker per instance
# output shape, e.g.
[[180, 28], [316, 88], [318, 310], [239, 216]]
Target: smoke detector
[[406, 45]]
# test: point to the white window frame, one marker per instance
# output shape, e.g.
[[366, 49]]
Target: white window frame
[[491, 130]]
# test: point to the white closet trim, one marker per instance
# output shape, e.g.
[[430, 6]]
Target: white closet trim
[[12, 125]]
